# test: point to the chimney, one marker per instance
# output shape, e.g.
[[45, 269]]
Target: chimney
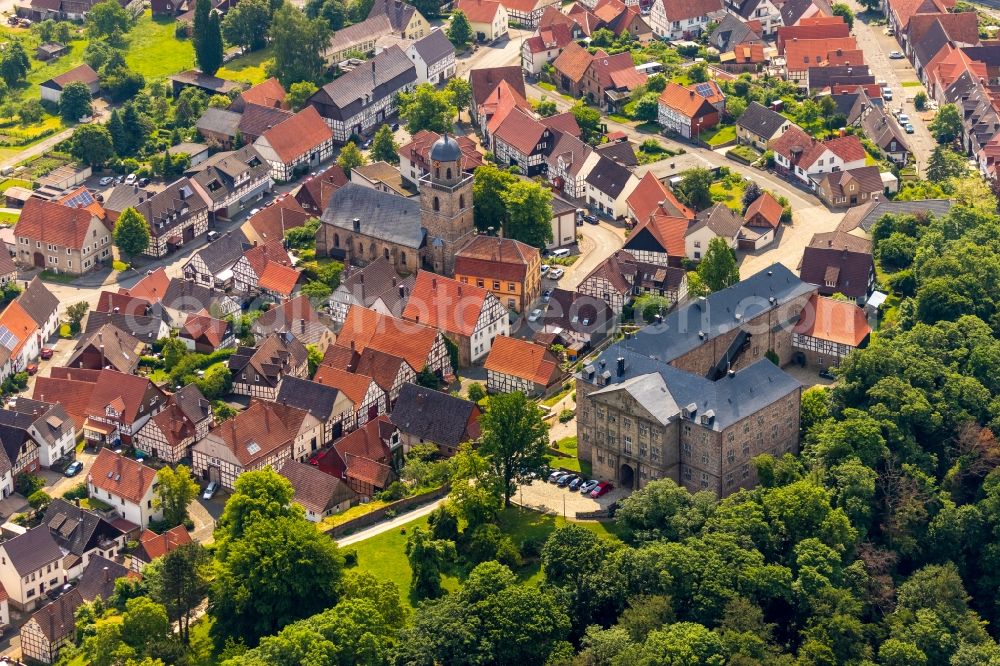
[[434, 283], [302, 325], [402, 291], [357, 225], [352, 345], [621, 366]]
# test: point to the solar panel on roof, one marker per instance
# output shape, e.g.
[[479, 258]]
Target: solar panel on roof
[[81, 199], [7, 338], [704, 89]]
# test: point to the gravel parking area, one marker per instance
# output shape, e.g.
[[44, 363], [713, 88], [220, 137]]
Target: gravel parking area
[[550, 498]]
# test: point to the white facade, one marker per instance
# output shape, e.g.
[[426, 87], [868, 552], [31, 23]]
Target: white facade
[[28, 591], [615, 207], [282, 170], [573, 185], [493, 30], [49, 453], [828, 162], [432, 72], [139, 513], [666, 29], [493, 321], [696, 242]]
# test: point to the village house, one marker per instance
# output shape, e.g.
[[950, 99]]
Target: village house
[[527, 13], [212, 266], [806, 12], [30, 566], [232, 181], [659, 240], [652, 197], [82, 534], [487, 18], [49, 425], [421, 345], [330, 406], [610, 79], [383, 177], [544, 47], [801, 54], [204, 334], [468, 315], [493, 111], [885, 133], [219, 127], [485, 81], [61, 238], [434, 57], [375, 286], [272, 222], [365, 458], [314, 194], [107, 346], [359, 101], [426, 416], [127, 485], [766, 13], [719, 221], [183, 298], [388, 371], [368, 399], [608, 186], [170, 434], [579, 320], [521, 140], [262, 435], [262, 268], [151, 546], [20, 449], [109, 406], [569, 163], [296, 145], [175, 215], [520, 365], [320, 494], [798, 155], [682, 19], [849, 187], [686, 111], [257, 371], [759, 125], [51, 89], [731, 32], [828, 330], [839, 263], [621, 277], [570, 68], [760, 222], [508, 269], [297, 317]]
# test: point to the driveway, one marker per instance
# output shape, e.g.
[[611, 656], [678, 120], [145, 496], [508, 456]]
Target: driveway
[[204, 514], [792, 239], [600, 241], [550, 498]]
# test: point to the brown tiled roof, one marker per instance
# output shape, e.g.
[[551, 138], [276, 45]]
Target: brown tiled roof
[[296, 136], [573, 62], [353, 385], [104, 388], [213, 330], [848, 148], [834, 320], [48, 222], [605, 67], [520, 131], [272, 358], [484, 81], [551, 36], [501, 258], [121, 476], [270, 252], [366, 470], [364, 328], [382, 367], [868, 179], [317, 491], [272, 222], [292, 316], [260, 430], [152, 288], [419, 148], [82, 74], [315, 193], [365, 453], [265, 93], [668, 231], [679, 10], [153, 545], [174, 424], [446, 304], [797, 147], [256, 120], [120, 349], [563, 122], [853, 269], [841, 240], [613, 269], [523, 359], [767, 207]]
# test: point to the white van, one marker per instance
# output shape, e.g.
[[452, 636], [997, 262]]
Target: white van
[[561, 252]]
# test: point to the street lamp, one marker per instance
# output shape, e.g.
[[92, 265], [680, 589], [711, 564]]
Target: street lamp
[[699, 130]]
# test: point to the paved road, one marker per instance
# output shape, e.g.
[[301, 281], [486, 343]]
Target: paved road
[[877, 46], [601, 241], [506, 52], [386, 526], [42, 146]]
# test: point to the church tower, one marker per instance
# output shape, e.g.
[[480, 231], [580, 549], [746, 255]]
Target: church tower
[[446, 205]]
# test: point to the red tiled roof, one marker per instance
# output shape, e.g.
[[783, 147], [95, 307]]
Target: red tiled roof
[[95, 207], [445, 304], [802, 54], [767, 207], [834, 320], [354, 386], [157, 545], [478, 11], [523, 359], [500, 103], [278, 279], [272, 222], [121, 476], [213, 330], [563, 122], [419, 148], [49, 222], [848, 148], [648, 195], [20, 323], [748, 53], [668, 231], [842, 57], [554, 36], [605, 65], [109, 300], [684, 101], [520, 131], [82, 74], [266, 93], [827, 30], [365, 328], [298, 135], [260, 430], [904, 10], [151, 288], [679, 10], [270, 252], [573, 62]]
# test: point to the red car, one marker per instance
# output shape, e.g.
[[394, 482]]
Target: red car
[[47, 353], [32, 368], [602, 488]]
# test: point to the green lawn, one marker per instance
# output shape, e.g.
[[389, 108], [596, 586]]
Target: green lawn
[[248, 69], [911, 84], [13, 182], [719, 135], [384, 556], [7, 219], [730, 195], [154, 51], [545, 85]]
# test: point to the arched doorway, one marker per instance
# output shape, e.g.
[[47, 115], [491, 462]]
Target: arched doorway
[[626, 476], [39, 260]]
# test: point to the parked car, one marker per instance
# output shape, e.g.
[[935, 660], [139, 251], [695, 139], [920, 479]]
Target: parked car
[[131, 178], [394, 127], [556, 273], [107, 180], [554, 476], [592, 219], [588, 486], [143, 182], [210, 490], [73, 468], [211, 236], [547, 295], [254, 212], [887, 94], [602, 488], [32, 368], [895, 55], [544, 269], [903, 119], [118, 180], [535, 314], [566, 480], [46, 353], [909, 128], [576, 483]]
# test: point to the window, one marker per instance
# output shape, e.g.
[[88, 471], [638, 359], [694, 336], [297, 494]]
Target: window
[[436, 204], [686, 448], [746, 471], [704, 479], [730, 456], [746, 448], [496, 285], [479, 283], [628, 444], [511, 286]]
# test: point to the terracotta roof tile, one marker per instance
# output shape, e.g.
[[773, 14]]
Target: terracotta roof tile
[[834, 320], [16, 319], [679, 10], [272, 222], [667, 230], [155, 545], [687, 102], [365, 328], [50, 222], [648, 196], [478, 11], [152, 288], [836, 28], [278, 279], [553, 36], [298, 135], [849, 148], [260, 430], [523, 359], [354, 386], [121, 476], [573, 62], [767, 207], [213, 330], [501, 258], [265, 93], [446, 304]]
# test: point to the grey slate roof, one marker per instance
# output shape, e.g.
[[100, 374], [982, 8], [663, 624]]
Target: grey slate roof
[[77, 530], [732, 31], [435, 47], [316, 490], [177, 203], [216, 176], [399, 13], [145, 328], [608, 177], [225, 251], [381, 215], [192, 403], [760, 120], [664, 389], [720, 218], [50, 419], [382, 76], [56, 620], [315, 398], [38, 301], [219, 121], [716, 315], [32, 550], [189, 296], [621, 152], [431, 415]]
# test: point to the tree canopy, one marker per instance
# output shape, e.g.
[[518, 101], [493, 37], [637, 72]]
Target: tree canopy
[[131, 232]]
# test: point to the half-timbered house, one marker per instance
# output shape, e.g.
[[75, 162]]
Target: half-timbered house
[[422, 346], [368, 398], [520, 365], [257, 371], [389, 371], [329, 405], [170, 434]]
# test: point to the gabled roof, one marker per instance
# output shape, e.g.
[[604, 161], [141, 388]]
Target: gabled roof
[[563, 122], [731, 31], [298, 135], [152, 287], [681, 10], [761, 120], [446, 304], [667, 232], [353, 385], [478, 11], [315, 193], [346, 96], [382, 367], [377, 280], [685, 101], [867, 215], [571, 150], [767, 208], [278, 279], [119, 349], [266, 93], [483, 81], [800, 54], [554, 36], [224, 251], [219, 121], [50, 420], [521, 131], [81, 74], [296, 316], [503, 258], [435, 416], [904, 10], [720, 219], [651, 196], [260, 256], [522, 359], [21, 326], [573, 62], [184, 295], [315, 490], [153, 545], [364, 328], [500, 103], [867, 178], [314, 397], [77, 530], [827, 30], [274, 357], [212, 331], [379, 214], [792, 11], [434, 47], [883, 130], [609, 177], [834, 320], [398, 12], [121, 476], [48, 222], [616, 71], [260, 430]]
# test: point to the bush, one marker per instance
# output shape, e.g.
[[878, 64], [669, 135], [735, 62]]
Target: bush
[[566, 415], [476, 392], [920, 101], [532, 547], [27, 484], [394, 491], [350, 556], [79, 491]]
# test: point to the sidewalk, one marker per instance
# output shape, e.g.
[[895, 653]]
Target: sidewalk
[[395, 523]]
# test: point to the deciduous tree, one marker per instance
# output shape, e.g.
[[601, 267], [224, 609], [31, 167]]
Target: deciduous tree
[[75, 102], [427, 556], [298, 44], [298, 93], [384, 146], [718, 268], [514, 440], [14, 63], [351, 157], [131, 232], [179, 581], [460, 30], [174, 493], [247, 24], [947, 124], [427, 108], [92, 144]]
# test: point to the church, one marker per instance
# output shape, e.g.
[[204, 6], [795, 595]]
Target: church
[[361, 224]]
